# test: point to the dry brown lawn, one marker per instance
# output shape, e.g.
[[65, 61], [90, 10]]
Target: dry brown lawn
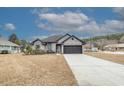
[[17, 69], [111, 57]]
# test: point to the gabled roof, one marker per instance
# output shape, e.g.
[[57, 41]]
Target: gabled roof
[[35, 41], [76, 38], [54, 38], [79, 40], [5, 42]]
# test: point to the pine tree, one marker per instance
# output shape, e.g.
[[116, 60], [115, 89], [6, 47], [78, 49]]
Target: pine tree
[[13, 38]]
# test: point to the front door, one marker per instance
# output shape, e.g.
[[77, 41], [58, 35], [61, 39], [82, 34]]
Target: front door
[[58, 48]]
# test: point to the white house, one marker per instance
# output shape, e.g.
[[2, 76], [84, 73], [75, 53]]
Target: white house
[[8, 47], [114, 47], [67, 44]]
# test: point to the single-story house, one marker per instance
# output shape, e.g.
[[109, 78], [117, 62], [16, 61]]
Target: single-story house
[[121, 39], [114, 47], [90, 47], [8, 46], [67, 44]]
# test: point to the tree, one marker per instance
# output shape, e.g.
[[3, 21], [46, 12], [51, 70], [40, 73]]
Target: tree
[[23, 45], [13, 38], [29, 49]]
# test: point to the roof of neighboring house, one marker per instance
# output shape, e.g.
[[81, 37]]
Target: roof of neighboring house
[[88, 45], [122, 39], [106, 42], [5, 42], [54, 38], [115, 45]]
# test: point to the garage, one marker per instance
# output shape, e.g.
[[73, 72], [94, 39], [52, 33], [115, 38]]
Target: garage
[[72, 49]]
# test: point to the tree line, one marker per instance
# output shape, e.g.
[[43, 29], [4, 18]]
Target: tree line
[[116, 36]]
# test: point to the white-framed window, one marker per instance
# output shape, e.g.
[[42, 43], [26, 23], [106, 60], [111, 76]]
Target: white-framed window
[[14, 48], [4, 47]]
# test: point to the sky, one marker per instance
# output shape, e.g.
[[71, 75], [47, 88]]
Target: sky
[[31, 23]]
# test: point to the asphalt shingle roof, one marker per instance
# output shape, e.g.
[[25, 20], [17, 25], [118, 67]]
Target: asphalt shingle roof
[[52, 38], [4, 41]]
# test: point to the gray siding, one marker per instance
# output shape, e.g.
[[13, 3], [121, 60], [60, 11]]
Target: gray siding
[[72, 42], [52, 47], [42, 47], [62, 39]]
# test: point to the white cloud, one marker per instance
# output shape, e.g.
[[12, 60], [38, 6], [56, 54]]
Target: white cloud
[[40, 10], [71, 18], [120, 11], [63, 22], [114, 24], [9, 27], [110, 27], [78, 22]]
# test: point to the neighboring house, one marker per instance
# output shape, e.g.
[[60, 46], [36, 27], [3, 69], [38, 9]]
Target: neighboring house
[[103, 42], [121, 39], [98, 44], [114, 47], [8, 46], [67, 44], [90, 47]]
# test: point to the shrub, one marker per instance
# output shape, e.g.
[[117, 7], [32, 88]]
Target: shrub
[[28, 50], [37, 52]]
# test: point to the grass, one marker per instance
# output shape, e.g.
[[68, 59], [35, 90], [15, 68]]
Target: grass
[[17, 69], [111, 57]]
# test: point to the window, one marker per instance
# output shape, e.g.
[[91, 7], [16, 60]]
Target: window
[[4, 47], [72, 38], [1, 46], [37, 47], [14, 48]]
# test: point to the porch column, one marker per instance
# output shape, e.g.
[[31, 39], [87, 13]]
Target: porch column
[[62, 48], [10, 49], [18, 49], [82, 49]]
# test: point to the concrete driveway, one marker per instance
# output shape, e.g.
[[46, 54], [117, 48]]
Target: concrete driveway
[[94, 71]]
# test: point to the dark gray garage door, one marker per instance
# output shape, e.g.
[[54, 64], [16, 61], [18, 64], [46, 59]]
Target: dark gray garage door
[[72, 49]]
